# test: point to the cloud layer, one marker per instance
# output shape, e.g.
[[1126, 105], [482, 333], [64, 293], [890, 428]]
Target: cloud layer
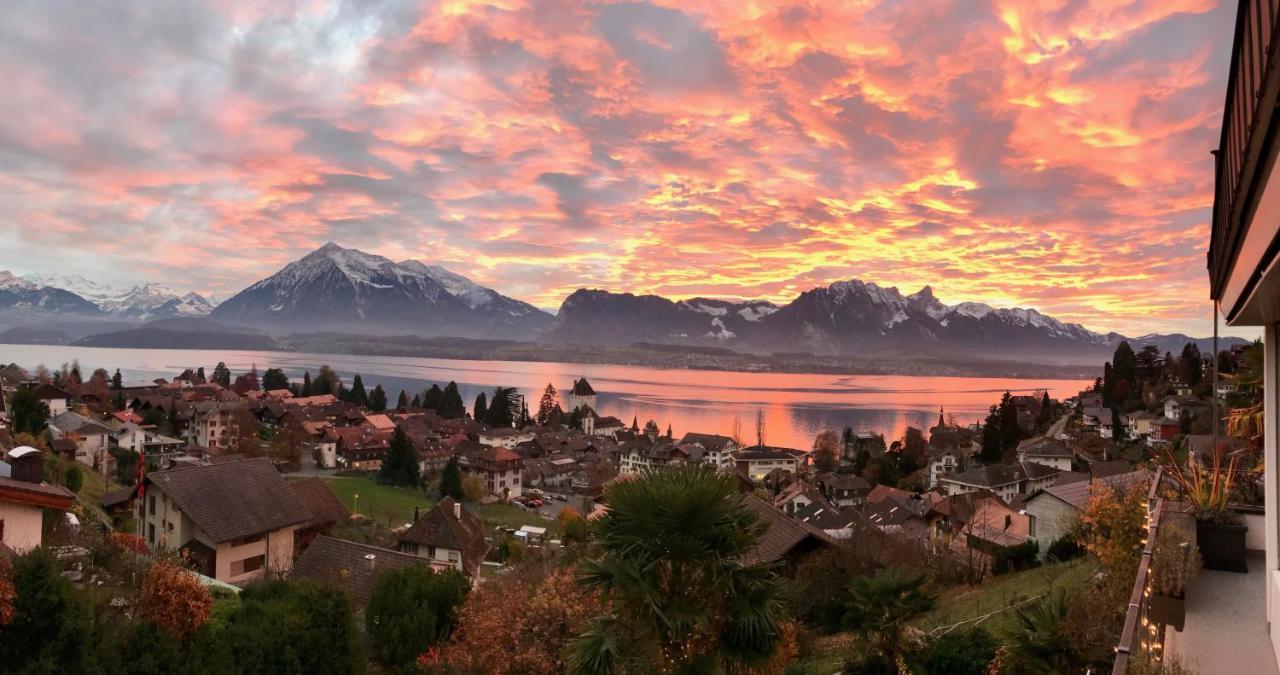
[[1046, 153]]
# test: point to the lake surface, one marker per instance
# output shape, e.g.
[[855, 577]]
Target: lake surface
[[795, 406]]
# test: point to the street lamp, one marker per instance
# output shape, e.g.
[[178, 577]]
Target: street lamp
[[356, 508]]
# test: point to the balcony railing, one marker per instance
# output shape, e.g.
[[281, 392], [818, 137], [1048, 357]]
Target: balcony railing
[[1140, 638], [1247, 121]]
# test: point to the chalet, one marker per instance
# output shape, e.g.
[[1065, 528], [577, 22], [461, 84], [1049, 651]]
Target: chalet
[[235, 519], [550, 471], [844, 489], [758, 460], [643, 455], [580, 394], [215, 424], [1174, 406], [798, 495], [1046, 452], [92, 439], [903, 517], [1140, 423], [448, 536], [606, 426], [23, 498], [58, 400], [505, 437], [994, 526], [146, 440], [499, 468], [360, 447], [718, 450], [1055, 511], [1164, 432], [1006, 481], [839, 524], [350, 566], [942, 461], [785, 541]]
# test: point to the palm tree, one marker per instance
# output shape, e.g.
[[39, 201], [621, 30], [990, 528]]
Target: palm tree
[[670, 570], [880, 607], [1039, 644]]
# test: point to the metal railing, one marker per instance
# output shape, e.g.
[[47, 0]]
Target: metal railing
[[1246, 121], [1140, 638]]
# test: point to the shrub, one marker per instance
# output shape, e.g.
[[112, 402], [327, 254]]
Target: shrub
[[174, 600], [1065, 548], [412, 610], [960, 653], [870, 663], [73, 479], [1014, 558]]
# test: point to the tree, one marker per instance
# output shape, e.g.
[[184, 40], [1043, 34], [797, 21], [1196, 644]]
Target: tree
[[826, 451], [117, 381], [378, 399], [326, 382], [1045, 417], [451, 405], [411, 610], [473, 489], [880, 607], [573, 526], [502, 407], [27, 413], [306, 384], [1038, 643], [670, 567], [431, 397], [274, 379], [126, 465], [915, 448], [7, 592], [294, 626], [73, 479], [222, 375], [760, 428], [451, 480], [961, 653], [174, 600], [246, 382], [546, 405], [400, 466], [1191, 364], [50, 628], [402, 401], [358, 395], [481, 409]]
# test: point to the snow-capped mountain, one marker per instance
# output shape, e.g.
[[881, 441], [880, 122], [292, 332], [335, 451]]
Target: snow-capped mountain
[[848, 317], [21, 295], [334, 289], [144, 303]]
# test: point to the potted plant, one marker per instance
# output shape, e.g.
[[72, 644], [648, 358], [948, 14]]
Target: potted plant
[[1207, 488], [1174, 564]]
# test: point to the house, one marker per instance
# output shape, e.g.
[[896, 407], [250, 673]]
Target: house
[[235, 519], [23, 498], [146, 441], [606, 426], [785, 541], [1006, 481], [360, 447], [1046, 452], [379, 421], [58, 400], [580, 394], [1174, 406], [994, 525], [797, 496], [758, 460], [644, 455], [839, 524], [844, 489], [499, 468], [350, 566], [505, 437], [550, 472], [325, 508], [1054, 511], [1140, 423], [215, 424], [92, 439], [900, 516], [1094, 416], [942, 461], [1163, 432], [718, 451], [449, 536]]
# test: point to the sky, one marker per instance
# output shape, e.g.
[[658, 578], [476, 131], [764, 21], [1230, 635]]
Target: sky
[[1041, 153]]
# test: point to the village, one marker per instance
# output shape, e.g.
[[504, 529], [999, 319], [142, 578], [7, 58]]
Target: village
[[250, 477]]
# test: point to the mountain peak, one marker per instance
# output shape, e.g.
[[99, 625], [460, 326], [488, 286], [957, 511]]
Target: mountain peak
[[925, 293]]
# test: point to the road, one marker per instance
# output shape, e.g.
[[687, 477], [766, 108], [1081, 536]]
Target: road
[[1056, 430]]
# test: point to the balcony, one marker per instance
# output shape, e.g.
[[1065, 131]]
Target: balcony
[[1226, 630]]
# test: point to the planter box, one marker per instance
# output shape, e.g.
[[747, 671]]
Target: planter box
[[1167, 611], [1222, 546]]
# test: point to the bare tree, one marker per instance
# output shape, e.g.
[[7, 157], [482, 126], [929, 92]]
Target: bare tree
[[737, 432], [760, 427]]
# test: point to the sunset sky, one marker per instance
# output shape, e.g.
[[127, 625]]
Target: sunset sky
[[1051, 154]]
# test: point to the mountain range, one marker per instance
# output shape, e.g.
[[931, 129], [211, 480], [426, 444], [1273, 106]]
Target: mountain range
[[346, 291]]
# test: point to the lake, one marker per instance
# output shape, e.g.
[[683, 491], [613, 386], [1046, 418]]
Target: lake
[[795, 406]]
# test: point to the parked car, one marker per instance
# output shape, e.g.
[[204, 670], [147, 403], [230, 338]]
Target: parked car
[[560, 498]]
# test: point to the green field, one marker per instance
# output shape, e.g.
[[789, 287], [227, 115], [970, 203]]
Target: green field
[[1003, 592], [392, 507]]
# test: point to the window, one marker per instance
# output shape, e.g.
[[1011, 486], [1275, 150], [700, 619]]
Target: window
[[151, 533], [248, 565], [152, 505]]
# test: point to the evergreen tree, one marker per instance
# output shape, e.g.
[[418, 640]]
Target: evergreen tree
[[416, 402], [1117, 426], [358, 395], [199, 374], [326, 382], [274, 379], [409, 609], [1046, 411], [481, 409], [117, 382], [502, 408], [431, 397], [378, 399], [27, 413], [451, 480], [451, 405], [1192, 365], [1010, 430], [306, 384], [546, 405], [1108, 384], [400, 466], [402, 401], [222, 375]]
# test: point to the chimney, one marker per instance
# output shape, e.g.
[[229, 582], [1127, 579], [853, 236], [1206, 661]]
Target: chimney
[[457, 510], [370, 559]]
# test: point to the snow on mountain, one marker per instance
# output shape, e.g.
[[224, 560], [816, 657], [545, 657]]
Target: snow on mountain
[[88, 289], [9, 281], [144, 303], [456, 284]]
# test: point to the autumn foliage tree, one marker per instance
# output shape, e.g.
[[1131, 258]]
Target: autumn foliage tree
[[174, 600], [519, 625], [1113, 526], [7, 592], [826, 451]]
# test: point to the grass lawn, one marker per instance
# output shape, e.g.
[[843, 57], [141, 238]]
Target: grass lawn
[[391, 507], [969, 602], [385, 505]]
